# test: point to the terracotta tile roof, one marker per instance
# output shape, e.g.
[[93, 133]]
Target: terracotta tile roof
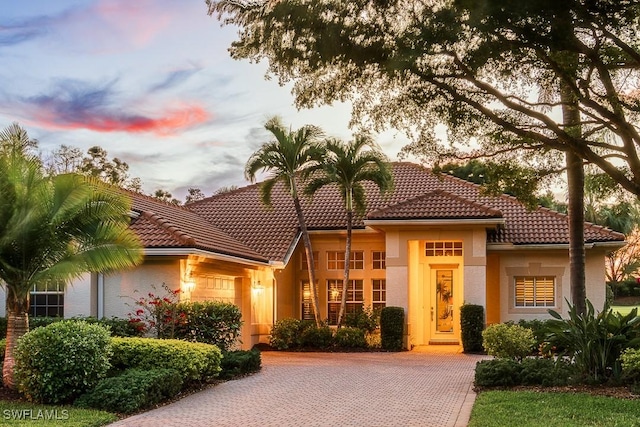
[[270, 232], [165, 225], [437, 204]]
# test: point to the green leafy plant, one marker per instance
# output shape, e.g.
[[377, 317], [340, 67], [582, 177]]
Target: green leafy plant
[[350, 338], [239, 362], [594, 341], [365, 318], [284, 334], [59, 362], [132, 390], [630, 360], [210, 322], [312, 336], [471, 327], [538, 327], [392, 328], [545, 372], [497, 373], [508, 341], [530, 371], [194, 361]]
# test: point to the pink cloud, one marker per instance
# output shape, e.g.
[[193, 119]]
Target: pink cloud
[[167, 124]]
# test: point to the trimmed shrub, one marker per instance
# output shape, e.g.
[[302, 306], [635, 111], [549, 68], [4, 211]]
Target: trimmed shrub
[[508, 341], [239, 362], [392, 328], [531, 371], [544, 372], [350, 338], [210, 322], [497, 373], [284, 334], [630, 360], [366, 319], [313, 337], [61, 361], [132, 390], [471, 327], [194, 361]]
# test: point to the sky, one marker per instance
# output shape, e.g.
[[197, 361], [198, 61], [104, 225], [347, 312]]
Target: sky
[[151, 82]]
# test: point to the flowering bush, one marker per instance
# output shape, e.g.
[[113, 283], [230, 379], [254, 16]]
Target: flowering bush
[[164, 316], [156, 314]]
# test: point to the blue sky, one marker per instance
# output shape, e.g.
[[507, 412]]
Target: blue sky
[[151, 82]]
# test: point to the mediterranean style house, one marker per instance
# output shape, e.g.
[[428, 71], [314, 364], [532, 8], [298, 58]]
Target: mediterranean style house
[[431, 245]]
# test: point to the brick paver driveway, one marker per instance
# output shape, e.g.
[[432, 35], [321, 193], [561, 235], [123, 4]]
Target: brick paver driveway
[[430, 388]]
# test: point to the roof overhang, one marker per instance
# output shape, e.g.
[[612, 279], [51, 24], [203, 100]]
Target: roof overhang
[[550, 246], [492, 222], [203, 253]]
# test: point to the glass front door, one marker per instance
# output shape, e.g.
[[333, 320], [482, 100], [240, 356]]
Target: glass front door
[[444, 301]]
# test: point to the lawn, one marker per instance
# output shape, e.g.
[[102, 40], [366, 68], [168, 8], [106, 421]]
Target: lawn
[[552, 409], [19, 414], [625, 309]]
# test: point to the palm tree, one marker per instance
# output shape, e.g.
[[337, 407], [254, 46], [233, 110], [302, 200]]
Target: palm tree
[[348, 166], [53, 229], [289, 155]]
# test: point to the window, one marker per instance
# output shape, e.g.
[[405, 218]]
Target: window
[[355, 297], [535, 291], [303, 260], [47, 299], [307, 305], [443, 249], [379, 299], [335, 260], [379, 260]]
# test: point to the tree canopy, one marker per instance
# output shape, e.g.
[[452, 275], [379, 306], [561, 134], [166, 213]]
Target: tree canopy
[[493, 71]]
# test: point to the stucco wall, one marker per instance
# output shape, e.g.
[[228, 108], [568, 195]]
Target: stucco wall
[[121, 289], [80, 297]]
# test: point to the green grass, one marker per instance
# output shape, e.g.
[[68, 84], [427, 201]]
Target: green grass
[[528, 408], [18, 414], [625, 309]]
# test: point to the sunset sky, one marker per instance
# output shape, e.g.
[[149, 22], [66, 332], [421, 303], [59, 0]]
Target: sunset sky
[[151, 82]]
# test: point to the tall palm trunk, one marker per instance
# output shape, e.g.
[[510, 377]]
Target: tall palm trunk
[[17, 326], [575, 182], [309, 254], [347, 260]]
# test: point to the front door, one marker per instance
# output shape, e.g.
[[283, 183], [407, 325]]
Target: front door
[[443, 302]]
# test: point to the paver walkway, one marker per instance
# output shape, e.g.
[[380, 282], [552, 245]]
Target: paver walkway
[[417, 388]]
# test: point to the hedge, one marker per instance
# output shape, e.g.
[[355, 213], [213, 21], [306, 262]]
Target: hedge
[[194, 361], [392, 328], [132, 390], [471, 326]]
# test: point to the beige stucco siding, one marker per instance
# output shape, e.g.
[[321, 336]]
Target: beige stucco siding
[[80, 297], [123, 288]]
